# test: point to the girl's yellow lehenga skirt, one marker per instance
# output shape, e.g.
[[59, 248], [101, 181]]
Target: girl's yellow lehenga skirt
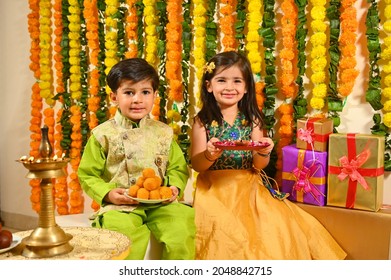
[[237, 218]]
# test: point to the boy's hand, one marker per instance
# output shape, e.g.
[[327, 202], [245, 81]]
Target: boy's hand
[[175, 193], [117, 196]]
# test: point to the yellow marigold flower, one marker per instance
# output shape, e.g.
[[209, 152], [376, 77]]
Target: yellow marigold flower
[[318, 26], [387, 106], [387, 80], [111, 35], [199, 11], [318, 2], [387, 92], [318, 77], [74, 44], [318, 12], [317, 103], [112, 2], [320, 91], [387, 12], [386, 54], [75, 69], [45, 93], [111, 22], [319, 64], [387, 26], [387, 41], [319, 38], [75, 87], [387, 119]]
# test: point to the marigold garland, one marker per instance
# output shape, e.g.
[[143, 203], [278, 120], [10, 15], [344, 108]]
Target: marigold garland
[[90, 13], [45, 58], [131, 29], [318, 55], [386, 56], [36, 99], [348, 36], [252, 36], [199, 48], [287, 79], [227, 26], [174, 50]]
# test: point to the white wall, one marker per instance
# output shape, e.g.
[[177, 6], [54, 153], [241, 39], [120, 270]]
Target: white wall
[[15, 89]]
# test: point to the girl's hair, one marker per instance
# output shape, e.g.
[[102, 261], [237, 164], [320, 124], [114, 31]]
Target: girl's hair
[[248, 105], [132, 69]]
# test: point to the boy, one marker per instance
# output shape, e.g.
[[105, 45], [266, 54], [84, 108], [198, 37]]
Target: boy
[[115, 156]]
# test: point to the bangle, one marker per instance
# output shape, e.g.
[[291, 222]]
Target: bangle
[[264, 155], [208, 157]]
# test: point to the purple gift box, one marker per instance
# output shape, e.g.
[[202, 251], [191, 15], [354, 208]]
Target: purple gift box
[[304, 175]]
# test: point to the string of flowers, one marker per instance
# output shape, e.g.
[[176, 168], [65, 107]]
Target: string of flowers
[[287, 78], [76, 196], [174, 50], [36, 100], [300, 102], [373, 93], [150, 31], [199, 48], [60, 184], [45, 58], [90, 13], [227, 26], [253, 37], [334, 101], [240, 24], [348, 37], [318, 55], [386, 57], [111, 43], [131, 29]]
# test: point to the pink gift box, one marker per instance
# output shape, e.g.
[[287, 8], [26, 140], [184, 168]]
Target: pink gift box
[[304, 175]]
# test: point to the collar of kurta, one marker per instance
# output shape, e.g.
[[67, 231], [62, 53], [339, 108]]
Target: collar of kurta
[[127, 123]]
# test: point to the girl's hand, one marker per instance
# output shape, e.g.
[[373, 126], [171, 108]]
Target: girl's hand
[[117, 196], [212, 153], [266, 150]]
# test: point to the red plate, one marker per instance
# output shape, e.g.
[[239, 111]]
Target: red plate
[[231, 145]]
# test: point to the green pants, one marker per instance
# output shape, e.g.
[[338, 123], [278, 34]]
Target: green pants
[[171, 224]]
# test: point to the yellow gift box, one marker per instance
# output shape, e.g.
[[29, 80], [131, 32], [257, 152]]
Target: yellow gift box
[[313, 133], [356, 171]]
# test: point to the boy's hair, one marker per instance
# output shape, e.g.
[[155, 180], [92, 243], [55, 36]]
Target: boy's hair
[[248, 105], [132, 69]]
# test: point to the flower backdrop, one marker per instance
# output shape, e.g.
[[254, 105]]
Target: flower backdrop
[[302, 53]]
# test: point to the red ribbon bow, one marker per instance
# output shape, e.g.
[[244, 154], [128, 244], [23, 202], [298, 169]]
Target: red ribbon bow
[[350, 169]]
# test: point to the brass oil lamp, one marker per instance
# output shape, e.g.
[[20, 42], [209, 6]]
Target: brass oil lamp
[[48, 239]]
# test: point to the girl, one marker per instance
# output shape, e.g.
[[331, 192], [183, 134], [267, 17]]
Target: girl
[[236, 215]]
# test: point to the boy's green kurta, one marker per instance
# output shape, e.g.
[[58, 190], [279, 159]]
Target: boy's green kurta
[[118, 151]]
